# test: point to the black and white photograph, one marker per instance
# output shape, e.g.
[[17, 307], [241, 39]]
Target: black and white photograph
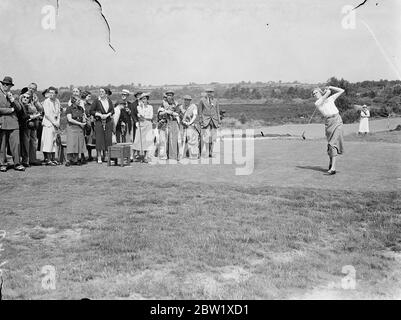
[[200, 150]]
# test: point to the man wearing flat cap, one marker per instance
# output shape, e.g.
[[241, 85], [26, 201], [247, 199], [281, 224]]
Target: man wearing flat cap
[[190, 133], [168, 116], [9, 125], [209, 117], [124, 121]]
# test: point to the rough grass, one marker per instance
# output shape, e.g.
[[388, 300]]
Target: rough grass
[[109, 239]]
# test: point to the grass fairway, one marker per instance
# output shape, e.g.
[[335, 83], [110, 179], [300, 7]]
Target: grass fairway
[[200, 232]]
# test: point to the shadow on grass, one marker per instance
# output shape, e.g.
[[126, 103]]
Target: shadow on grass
[[314, 168]]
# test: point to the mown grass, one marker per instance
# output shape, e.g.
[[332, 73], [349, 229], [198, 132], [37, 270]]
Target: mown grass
[[109, 239], [386, 136]]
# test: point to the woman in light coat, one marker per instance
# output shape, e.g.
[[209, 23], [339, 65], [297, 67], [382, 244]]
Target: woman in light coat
[[144, 137], [51, 124]]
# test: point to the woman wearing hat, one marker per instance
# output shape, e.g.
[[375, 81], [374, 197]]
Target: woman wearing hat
[[102, 109], [30, 118], [51, 124], [144, 137], [334, 124], [364, 122], [76, 122]]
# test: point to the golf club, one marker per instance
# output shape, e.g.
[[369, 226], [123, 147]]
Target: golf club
[[303, 133]]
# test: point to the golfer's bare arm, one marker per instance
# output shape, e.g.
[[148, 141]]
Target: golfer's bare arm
[[338, 93]]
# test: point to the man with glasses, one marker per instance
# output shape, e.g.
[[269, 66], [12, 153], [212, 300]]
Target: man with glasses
[[30, 119], [9, 126]]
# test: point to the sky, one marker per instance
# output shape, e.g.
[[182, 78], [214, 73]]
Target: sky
[[180, 41]]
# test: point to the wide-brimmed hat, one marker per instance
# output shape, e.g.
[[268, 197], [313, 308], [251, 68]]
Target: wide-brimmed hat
[[125, 91], [45, 92], [209, 89], [24, 90], [143, 95], [169, 92], [138, 93], [187, 97], [8, 80]]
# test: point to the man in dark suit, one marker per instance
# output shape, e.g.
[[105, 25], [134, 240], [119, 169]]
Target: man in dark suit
[[124, 124], [209, 118], [134, 116], [9, 125]]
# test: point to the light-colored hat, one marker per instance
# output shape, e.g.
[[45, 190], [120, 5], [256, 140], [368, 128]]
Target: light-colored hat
[[143, 95], [365, 106], [187, 97], [169, 92], [125, 91], [209, 89]]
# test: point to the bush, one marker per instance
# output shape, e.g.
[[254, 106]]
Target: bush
[[350, 116]]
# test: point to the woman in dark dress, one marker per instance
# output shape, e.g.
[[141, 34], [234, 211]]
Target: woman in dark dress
[[102, 110], [76, 119]]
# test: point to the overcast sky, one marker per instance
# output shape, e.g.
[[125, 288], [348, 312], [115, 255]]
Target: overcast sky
[[180, 41]]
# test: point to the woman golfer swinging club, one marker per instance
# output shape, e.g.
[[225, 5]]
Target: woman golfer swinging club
[[333, 123]]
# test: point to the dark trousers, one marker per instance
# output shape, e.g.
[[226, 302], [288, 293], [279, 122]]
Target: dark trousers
[[39, 135], [121, 138], [29, 145], [11, 137]]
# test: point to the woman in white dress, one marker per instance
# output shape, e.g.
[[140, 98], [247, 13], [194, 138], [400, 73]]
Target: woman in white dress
[[51, 124], [364, 122], [144, 137]]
